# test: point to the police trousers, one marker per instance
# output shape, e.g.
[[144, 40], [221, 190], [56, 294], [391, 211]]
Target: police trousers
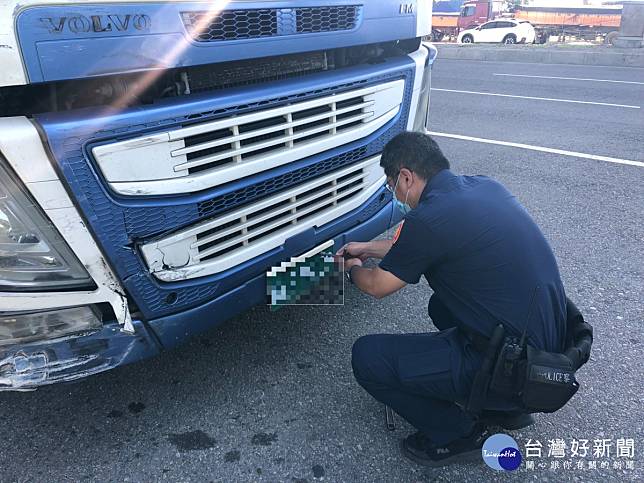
[[421, 376]]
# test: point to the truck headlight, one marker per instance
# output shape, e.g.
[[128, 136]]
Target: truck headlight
[[33, 256], [20, 328], [421, 120]]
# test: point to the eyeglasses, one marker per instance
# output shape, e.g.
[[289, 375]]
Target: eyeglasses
[[391, 189]]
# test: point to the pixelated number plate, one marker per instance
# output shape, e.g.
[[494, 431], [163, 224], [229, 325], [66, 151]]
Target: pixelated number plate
[[314, 278]]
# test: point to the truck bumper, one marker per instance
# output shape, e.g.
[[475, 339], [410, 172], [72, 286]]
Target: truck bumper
[[26, 367]]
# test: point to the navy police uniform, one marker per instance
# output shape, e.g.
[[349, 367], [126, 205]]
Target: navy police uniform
[[483, 256]]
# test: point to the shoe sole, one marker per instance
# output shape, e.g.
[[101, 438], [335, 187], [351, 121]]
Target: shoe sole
[[466, 457], [516, 427], [509, 427]]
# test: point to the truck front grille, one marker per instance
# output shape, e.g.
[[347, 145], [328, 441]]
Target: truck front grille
[[233, 238], [326, 19], [231, 24], [225, 25], [244, 141], [213, 153]]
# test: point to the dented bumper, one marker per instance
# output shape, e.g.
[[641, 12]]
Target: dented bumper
[[28, 366]]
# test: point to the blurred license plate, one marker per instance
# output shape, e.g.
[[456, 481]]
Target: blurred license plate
[[314, 278]]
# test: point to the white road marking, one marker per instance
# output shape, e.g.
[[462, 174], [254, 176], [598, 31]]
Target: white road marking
[[538, 148], [536, 98], [570, 78], [612, 68]]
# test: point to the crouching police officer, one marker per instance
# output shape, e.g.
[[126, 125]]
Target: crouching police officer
[[484, 258]]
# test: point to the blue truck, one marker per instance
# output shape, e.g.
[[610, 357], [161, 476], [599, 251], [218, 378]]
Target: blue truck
[[158, 158]]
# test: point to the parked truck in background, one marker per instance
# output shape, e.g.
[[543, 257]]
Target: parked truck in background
[[587, 23], [158, 158], [583, 23], [445, 15]]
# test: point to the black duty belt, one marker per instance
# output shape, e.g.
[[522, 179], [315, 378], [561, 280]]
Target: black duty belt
[[542, 381]]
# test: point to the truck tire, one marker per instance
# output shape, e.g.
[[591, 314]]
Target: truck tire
[[436, 36], [610, 37], [510, 39], [467, 39], [542, 37]]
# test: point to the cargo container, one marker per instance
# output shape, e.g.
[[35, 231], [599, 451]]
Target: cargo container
[[580, 22]]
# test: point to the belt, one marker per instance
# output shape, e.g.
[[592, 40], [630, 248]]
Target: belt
[[478, 341]]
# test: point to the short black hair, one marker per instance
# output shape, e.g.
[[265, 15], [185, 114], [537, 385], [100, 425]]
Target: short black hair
[[415, 151]]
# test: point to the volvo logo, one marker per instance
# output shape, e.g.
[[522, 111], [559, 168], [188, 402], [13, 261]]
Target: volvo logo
[[406, 8], [97, 23]]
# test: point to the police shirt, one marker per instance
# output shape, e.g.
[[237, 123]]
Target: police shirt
[[483, 256]]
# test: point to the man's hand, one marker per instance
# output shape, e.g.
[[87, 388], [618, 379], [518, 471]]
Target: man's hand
[[364, 250], [354, 250], [352, 262]]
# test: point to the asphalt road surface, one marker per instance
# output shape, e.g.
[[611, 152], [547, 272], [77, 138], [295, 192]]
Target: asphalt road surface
[[271, 397]]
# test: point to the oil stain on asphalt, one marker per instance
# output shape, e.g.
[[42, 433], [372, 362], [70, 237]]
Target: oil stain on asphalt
[[192, 441], [136, 407], [318, 471], [264, 439], [232, 456]]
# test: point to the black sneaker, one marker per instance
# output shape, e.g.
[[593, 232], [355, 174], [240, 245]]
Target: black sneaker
[[510, 421], [418, 441], [419, 448]]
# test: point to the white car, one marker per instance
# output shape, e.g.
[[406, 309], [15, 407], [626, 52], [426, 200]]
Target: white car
[[507, 31]]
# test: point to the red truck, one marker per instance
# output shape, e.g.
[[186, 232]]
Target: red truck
[[581, 22]]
